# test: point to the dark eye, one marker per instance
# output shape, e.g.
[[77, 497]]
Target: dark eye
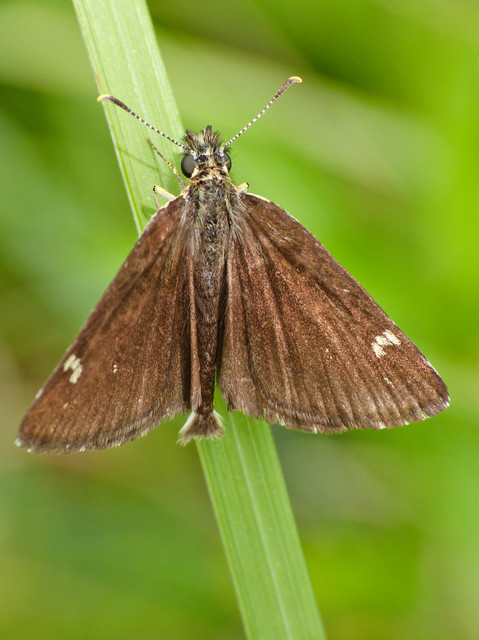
[[227, 160], [188, 165]]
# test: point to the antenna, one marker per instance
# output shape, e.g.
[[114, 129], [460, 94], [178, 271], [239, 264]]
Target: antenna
[[288, 82], [121, 104]]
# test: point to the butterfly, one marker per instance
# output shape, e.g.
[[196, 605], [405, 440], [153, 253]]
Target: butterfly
[[225, 286]]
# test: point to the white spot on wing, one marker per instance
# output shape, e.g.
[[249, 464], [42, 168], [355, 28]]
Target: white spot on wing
[[38, 393], [73, 363], [384, 339], [76, 375], [379, 351], [391, 337], [70, 362]]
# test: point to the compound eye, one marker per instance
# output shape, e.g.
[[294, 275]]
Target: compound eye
[[188, 165], [227, 161]]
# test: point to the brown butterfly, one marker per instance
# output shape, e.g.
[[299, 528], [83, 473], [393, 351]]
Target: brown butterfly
[[226, 284]]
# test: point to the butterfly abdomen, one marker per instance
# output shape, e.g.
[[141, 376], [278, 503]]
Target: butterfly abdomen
[[211, 238]]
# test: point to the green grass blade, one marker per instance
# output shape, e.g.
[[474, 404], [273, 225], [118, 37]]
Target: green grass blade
[[242, 470], [259, 533], [126, 63]]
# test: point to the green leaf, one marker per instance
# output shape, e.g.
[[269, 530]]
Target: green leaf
[[258, 529], [242, 470]]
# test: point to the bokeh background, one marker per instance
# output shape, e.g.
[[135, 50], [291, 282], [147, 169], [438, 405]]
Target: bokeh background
[[377, 153]]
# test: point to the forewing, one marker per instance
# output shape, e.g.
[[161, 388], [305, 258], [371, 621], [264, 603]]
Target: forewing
[[130, 366], [304, 344]]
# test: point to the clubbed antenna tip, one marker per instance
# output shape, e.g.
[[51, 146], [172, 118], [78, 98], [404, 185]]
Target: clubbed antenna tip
[[287, 84]]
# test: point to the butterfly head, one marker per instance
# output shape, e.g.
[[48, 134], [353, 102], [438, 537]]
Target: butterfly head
[[204, 153]]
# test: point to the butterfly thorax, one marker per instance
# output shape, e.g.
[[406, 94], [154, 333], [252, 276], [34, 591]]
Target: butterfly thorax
[[211, 194]]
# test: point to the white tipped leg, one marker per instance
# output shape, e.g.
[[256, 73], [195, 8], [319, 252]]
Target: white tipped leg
[[163, 193]]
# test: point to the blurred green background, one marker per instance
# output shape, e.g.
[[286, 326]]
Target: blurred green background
[[377, 153]]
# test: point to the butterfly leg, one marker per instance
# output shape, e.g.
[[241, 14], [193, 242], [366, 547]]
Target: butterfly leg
[[157, 190], [166, 161]]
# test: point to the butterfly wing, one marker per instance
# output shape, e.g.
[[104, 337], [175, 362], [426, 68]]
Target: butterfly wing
[[304, 344], [131, 365]]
